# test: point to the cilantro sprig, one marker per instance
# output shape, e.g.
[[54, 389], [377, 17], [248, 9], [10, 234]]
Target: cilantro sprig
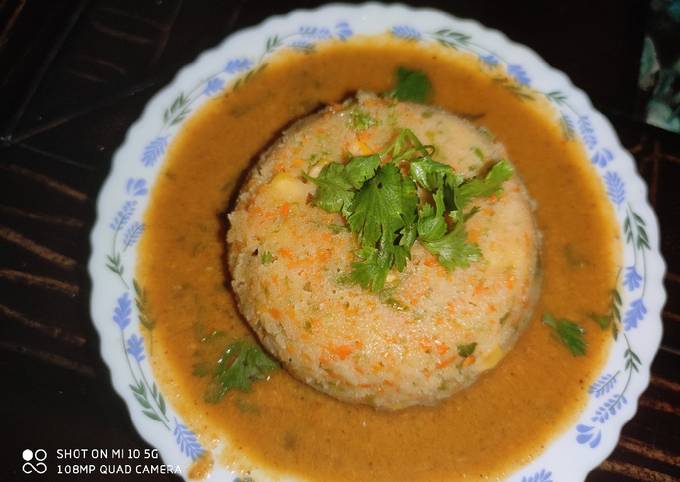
[[568, 333], [452, 250], [360, 120], [377, 195], [490, 185], [411, 85], [337, 183], [240, 364]]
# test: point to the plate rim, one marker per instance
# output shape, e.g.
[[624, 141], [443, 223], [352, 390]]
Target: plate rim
[[636, 189]]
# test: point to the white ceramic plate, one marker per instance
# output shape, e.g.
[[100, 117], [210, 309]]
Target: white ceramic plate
[[136, 164]]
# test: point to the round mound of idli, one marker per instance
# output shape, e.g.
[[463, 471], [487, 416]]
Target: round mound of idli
[[429, 332]]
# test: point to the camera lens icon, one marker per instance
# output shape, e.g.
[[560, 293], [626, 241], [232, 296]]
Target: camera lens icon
[[38, 456]]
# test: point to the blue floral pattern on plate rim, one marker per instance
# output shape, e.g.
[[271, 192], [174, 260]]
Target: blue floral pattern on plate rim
[[118, 302]]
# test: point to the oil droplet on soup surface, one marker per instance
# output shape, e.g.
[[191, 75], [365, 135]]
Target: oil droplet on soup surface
[[508, 416]]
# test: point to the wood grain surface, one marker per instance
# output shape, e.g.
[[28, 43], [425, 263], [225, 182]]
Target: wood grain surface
[[75, 74]]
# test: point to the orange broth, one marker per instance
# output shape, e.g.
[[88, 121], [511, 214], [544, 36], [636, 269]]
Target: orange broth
[[286, 427]]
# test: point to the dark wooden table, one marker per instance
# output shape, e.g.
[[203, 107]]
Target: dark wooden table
[[75, 74]]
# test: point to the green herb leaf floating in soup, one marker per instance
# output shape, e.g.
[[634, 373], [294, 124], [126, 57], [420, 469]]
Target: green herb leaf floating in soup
[[412, 85], [568, 333], [241, 364], [602, 321]]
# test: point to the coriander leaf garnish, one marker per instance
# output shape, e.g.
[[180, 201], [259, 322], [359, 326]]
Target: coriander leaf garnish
[[488, 186], [360, 120], [380, 204], [241, 364], [381, 212], [379, 208], [412, 86], [314, 159], [336, 181], [337, 228], [452, 250], [406, 147], [466, 350], [408, 236], [431, 222], [460, 217], [478, 152], [603, 321], [386, 296], [432, 174], [568, 333], [361, 168], [267, 258], [372, 268], [334, 192]]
